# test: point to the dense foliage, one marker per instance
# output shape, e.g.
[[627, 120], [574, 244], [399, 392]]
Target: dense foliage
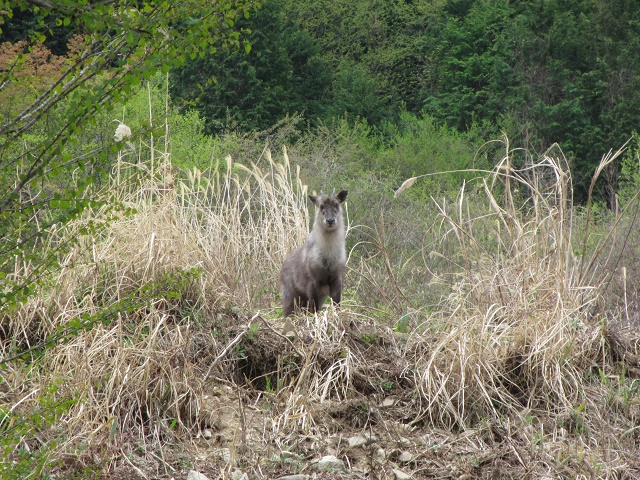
[[280, 74], [543, 71], [139, 275], [48, 100]]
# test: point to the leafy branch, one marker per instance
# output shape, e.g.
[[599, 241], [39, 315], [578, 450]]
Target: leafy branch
[[120, 44]]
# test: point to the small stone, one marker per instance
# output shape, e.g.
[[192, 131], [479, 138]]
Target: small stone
[[388, 402], [381, 455], [206, 433], [288, 330], [238, 475], [407, 442], [329, 463], [193, 475], [357, 441], [371, 438], [294, 477], [400, 475], [405, 457]]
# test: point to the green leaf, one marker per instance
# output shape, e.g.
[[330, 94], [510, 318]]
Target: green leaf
[[62, 204]]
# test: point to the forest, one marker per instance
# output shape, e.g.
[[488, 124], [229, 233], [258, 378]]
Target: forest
[[156, 162], [540, 71]]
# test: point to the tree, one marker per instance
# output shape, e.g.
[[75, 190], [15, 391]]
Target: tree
[[545, 71], [121, 44], [281, 74], [584, 77], [551, 71]]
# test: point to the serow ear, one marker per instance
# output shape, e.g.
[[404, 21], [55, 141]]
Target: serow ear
[[314, 199], [342, 196]]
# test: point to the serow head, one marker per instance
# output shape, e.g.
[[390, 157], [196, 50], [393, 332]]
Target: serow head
[[328, 210]]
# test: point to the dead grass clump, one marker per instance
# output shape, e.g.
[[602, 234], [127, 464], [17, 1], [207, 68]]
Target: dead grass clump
[[323, 367], [516, 332], [122, 326], [138, 382]]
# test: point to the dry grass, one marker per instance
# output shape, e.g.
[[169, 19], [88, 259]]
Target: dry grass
[[138, 290], [515, 331], [509, 376]]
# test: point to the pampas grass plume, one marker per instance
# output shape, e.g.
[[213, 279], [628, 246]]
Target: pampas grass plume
[[405, 186]]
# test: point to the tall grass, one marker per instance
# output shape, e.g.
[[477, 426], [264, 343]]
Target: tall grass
[[517, 330], [120, 327], [178, 294]]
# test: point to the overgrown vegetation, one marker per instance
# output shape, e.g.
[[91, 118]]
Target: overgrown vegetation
[[490, 313], [476, 310], [47, 102], [542, 71]]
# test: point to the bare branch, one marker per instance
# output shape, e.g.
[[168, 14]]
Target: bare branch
[[42, 3]]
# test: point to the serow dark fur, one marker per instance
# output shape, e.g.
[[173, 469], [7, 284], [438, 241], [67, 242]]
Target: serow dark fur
[[316, 269]]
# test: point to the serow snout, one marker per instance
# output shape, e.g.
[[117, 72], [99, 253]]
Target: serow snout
[[331, 221]]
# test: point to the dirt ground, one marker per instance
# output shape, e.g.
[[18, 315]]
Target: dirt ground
[[262, 422]]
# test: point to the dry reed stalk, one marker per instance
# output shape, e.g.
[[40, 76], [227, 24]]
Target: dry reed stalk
[[515, 332]]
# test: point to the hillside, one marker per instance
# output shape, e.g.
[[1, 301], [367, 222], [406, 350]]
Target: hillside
[[490, 348], [155, 164]]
